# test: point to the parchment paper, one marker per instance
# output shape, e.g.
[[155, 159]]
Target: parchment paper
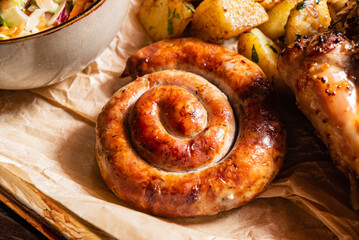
[[47, 138]]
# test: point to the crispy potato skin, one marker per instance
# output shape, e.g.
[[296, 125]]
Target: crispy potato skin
[[249, 166], [216, 20], [164, 19], [256, 46], [268, 4], [307, 19], [278, 16]]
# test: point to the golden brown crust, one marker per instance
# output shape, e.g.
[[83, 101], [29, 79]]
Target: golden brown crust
[[202, 187], [268, 4], [322, 73]]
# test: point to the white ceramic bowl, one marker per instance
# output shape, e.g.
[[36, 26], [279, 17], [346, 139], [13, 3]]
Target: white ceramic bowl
[[53, 55]]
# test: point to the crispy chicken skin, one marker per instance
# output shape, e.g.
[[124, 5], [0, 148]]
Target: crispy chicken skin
[[323, 73], [170, 143]]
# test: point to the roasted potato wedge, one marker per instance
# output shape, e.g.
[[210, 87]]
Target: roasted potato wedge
[[216, 20], [308, 18], [163, 19], [268, 4], [278, 16], [256, 46]]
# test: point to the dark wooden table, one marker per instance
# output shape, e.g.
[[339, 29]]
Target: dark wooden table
[[13, 227]]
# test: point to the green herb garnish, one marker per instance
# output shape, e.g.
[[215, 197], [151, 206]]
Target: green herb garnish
[[271, 47], [175, 15], [170, 27], [188, 7], [300, 6], [254, 56], [249, 32]]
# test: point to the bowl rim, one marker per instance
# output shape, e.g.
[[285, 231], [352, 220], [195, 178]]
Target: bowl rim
[[85, 13]]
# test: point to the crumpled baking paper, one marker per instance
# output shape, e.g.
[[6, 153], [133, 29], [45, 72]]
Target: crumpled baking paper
[[47, 149]]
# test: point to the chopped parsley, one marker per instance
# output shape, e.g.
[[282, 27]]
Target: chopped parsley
[[169, 21], [188, 7], [170, 27], [271, 47], [300, 6], [175, 15], [254, 56]]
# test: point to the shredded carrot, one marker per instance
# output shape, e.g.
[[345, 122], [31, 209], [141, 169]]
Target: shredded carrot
[[13, 31], [79, 6], [19, 29], [7, 31]]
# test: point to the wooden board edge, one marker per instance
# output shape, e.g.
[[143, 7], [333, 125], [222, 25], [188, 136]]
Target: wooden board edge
[[50, 217], [29, 216]]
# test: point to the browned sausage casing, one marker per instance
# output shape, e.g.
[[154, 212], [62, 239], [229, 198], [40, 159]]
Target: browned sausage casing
[[171, 144]]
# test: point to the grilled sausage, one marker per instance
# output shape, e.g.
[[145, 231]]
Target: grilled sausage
[[171, 144]]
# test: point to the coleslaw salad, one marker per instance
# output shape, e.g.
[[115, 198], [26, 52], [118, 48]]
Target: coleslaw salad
[[20, 18]]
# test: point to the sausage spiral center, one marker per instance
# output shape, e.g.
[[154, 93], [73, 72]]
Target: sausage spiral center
[[169, 126]]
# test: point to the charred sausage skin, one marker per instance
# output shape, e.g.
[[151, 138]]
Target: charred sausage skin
[[204, 187]]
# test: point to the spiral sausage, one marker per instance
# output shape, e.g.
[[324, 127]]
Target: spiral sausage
[[169, 142]]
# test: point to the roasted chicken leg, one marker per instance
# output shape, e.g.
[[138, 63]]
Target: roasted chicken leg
[[322, 72]]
